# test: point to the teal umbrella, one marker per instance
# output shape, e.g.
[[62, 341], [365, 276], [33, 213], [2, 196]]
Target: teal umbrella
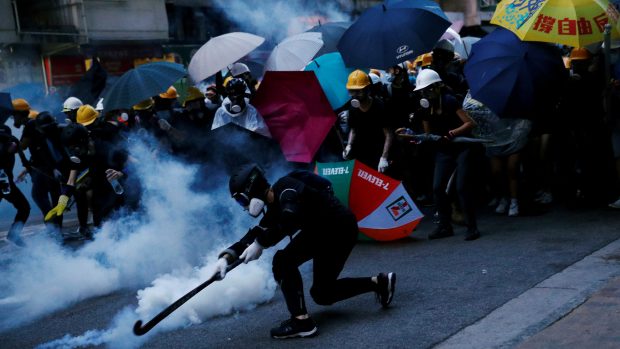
[[332, 75]]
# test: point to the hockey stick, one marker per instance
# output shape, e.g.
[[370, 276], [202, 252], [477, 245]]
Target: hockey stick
[[139, 330]]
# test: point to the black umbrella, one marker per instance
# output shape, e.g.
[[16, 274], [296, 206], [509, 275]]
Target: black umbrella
[[230, 146], [91, 84], [332, 32], [6, 107]]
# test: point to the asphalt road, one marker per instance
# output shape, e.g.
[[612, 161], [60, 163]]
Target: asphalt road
[[443, 286]]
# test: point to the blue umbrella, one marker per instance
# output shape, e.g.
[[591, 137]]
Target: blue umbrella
[[141, 83], [514, 78], [332, 75], [332, 32], [393, 32]]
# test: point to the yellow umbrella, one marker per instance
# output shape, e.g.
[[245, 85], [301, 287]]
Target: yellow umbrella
[[574, 23]]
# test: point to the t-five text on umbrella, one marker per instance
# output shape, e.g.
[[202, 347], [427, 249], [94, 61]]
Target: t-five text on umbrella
[[331, 171], [373, 179]]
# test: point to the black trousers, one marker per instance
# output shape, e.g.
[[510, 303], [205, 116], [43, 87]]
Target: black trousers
[[447, 159], [328, 248], [19, 201]]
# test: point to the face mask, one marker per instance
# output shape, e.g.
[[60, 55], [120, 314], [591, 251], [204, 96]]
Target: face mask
[[210, 105], [256, 207], [124, 117], [235, 109], [424, 103], [355, 103], [389, 78]]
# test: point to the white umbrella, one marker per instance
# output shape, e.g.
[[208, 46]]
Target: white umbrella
[[463, 47], [294, 52], [220, 51]]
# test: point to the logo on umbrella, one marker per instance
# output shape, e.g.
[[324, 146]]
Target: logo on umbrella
[[399, 208], [403, 51]]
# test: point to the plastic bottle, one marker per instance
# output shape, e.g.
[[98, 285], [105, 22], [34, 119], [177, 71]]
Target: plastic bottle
[[118, 188], [4, 183]]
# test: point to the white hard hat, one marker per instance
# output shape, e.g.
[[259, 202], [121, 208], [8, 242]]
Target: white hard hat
[[426, 78], [70, 104], [374, 78], [99, 106], [237, 69]]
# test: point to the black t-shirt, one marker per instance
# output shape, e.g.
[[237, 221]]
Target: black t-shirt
[[369, 137], [45, 150], [444, 119]]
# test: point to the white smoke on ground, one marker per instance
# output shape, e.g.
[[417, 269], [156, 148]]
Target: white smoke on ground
[[176, 229], [276, 19]]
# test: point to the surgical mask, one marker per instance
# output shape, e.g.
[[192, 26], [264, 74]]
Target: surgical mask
[[210, 105], [389, 77], [256, 207]]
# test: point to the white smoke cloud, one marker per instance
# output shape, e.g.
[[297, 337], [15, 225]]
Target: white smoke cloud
[[276, 19], [176, 229]]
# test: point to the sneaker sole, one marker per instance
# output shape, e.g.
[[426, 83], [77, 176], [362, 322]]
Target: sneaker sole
[[391, 287], [298, 335]]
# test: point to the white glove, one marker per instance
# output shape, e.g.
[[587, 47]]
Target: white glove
[[346, 151], [383, 164], [251, 253], [220, 267], [164, 125]]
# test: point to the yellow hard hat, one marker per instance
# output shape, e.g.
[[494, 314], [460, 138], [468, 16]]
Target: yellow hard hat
[[144, 105], [579, 54], [86, 115], [32, 114], [427, 59], [171, 93], [358, 80], [193, 93], [20, 104]]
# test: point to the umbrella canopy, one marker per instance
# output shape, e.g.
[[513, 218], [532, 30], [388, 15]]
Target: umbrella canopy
[[391, 33], [231, 145], [331, 33], [513, 77], [332, 75], [463, 46], [569, 22], [296, 111], [381, 204], [294, 52], [6, 107], [141, 83], [220, 51]]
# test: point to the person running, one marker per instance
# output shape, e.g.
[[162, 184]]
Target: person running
[[300, 201]]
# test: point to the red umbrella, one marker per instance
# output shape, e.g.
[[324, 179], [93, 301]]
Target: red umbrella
[[297, 112]]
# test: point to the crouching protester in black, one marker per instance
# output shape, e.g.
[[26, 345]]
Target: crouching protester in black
[[301, 201]]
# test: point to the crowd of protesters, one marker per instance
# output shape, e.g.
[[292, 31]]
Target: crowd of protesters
[[563, 155]]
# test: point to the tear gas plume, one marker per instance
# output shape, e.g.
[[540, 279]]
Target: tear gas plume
[[275, 19], [175, 229]]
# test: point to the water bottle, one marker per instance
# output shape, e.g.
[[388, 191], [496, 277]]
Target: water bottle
[[118, 188], [5, 185]]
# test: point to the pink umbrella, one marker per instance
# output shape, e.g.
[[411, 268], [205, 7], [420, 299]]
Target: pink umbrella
[[297, 112]]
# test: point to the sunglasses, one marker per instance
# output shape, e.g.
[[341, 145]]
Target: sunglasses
[[242, 199]]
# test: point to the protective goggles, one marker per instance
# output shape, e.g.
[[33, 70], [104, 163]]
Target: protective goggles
[[242, 199]]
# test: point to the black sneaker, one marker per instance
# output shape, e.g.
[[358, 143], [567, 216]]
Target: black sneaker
[[385, 288], [472, 234], [441, 232], [294, 327]]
